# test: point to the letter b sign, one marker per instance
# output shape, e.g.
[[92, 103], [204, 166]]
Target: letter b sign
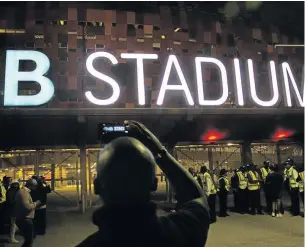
[[13, 76]]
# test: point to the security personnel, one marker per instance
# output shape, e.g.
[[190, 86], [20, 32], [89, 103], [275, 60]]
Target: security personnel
[[210, 191], [264, 171], [234, 186], [292, 177], [286, 181], [301, 184], [254, 190], [197, 178], [223, 190], [242, 190]]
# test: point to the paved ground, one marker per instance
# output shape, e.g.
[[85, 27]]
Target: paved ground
[[68, 227]]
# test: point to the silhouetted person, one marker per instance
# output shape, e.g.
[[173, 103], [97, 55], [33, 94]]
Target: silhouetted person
[[197, 178], [274, 186], [25, 212], [125, 176], [234, 186], [6, 182], [40, 193], [264, 171], [242, 190], [223, 190], [11, 209]]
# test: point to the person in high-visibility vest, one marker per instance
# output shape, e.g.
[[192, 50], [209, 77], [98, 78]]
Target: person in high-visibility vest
[[293, 176], [264, 171], [301, 184], [210, 190], [223, 190], [196, 176], [2, 206], [242, 190], [254, 190]]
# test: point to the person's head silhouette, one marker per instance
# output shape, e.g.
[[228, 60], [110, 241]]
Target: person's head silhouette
[[125, 172]]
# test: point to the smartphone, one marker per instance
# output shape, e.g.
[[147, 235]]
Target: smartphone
[[111, 131]]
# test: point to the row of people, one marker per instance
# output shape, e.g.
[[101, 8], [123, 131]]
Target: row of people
[[246, 184], [24, 207]]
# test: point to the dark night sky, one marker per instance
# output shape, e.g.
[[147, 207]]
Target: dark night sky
[[288, 16]]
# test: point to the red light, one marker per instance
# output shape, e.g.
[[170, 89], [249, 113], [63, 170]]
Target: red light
[[213, 135], [282, 133]]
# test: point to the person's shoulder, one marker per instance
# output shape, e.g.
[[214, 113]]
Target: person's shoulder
[[195, 211], [92, 240], [189, 225]]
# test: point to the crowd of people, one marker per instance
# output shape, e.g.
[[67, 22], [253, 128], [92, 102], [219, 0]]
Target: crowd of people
[[246, 184], [23, 208], [128, 217]]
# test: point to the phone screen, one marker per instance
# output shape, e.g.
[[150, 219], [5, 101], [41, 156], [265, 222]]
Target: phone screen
[[110, 131]]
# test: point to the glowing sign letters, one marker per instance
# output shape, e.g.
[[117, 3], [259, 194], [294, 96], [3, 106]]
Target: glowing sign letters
[[224, 81], [140, 71], [13, 76], [172, 60], [107, 79], [287, 72], [275, 87]]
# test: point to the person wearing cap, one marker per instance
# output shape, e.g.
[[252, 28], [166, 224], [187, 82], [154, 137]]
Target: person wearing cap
[[11, 206], [292, 176], [254, 190], [128, 217], [223, 190], [264, 171], [25, 212], [242, 190]]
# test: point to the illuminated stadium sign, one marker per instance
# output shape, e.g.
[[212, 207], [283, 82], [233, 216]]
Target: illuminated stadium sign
[[13, 76]]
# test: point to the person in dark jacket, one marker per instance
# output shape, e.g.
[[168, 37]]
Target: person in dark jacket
[[11, 209], [234, 186], [274, 186], [128, 217], [41, 192], [223, 190]]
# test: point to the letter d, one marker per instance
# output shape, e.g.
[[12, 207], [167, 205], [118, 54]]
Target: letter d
[[13, 76]]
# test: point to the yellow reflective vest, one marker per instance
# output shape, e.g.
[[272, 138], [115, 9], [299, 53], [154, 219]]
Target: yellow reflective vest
[[208, 184], [3, 193], [264, 173], [301, 183], [292, 175], [227, 184], [253, 182], [242, 180]]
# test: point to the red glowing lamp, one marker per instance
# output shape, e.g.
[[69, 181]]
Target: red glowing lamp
[[213, 135], [282, 134]]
